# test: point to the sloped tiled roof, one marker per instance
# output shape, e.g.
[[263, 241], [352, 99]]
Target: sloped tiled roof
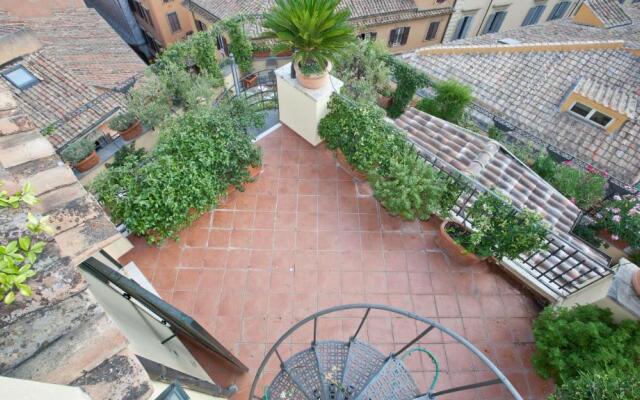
[[526, 88], [609, 12], [84, 44], [62, 99], [609, 96], [61, 334]]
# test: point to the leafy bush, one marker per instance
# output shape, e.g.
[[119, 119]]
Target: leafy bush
[[409, 80], [240, 45], [449, 103], [601, 385], [318, 30], [499, 231], [581, 339], [363, 69], [78, 150], [121, 156], [588, 233], [621, 217], [200, 153], [199, 49], [411, 188], [586, 189], [545, 166], [122, 121], [495, 134]]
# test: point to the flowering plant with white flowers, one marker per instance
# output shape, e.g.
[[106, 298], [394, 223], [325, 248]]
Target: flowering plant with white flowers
[[621, 217]]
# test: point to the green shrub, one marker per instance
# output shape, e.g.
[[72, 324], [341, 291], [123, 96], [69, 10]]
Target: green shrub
[[240, 45], [199, 154], [581, 339], [588, 233], [498, 231], [126, 152], [545, 166], [409, 80], [199, 49], [495, 134], [122, 121], [450, 101], [78, 150], [411, 188], [585, 189], [621, 217], [363, 69], [601, 385]]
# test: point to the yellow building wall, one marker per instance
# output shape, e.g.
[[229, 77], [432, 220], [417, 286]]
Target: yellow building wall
[[417, 33], [618, 119], [161, 29]]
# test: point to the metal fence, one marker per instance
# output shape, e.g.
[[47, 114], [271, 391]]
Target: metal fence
[[566, 265]]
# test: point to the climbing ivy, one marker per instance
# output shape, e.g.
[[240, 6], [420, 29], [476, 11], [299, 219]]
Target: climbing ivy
[[240, 45], [409, 80]]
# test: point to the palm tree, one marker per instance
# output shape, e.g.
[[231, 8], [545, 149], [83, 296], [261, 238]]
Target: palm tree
[[315, 29]]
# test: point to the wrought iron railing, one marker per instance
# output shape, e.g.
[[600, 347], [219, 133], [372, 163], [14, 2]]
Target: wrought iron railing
[[348, 368], [565, 266]]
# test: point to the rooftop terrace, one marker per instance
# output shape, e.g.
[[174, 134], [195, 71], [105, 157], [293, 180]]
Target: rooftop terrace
[[305, 236]]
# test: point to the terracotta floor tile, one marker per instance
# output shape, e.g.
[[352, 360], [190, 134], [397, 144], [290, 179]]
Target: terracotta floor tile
[[188, 279], [222, 219], [447, 306], [397, 282], [219, 238]]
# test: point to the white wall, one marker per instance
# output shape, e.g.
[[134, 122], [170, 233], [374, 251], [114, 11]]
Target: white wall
[[21, 389]]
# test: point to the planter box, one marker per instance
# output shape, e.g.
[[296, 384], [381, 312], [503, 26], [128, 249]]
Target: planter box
[[89, 162], [262, 54], [250, 81], [344, 164], [132, 132], [456, 252], [287, 53], [618, 244]]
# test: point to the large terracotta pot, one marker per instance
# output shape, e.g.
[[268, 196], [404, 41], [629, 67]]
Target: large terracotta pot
[[456, 252], [313, 81], [131, 132], [89, 162], [344, 164]]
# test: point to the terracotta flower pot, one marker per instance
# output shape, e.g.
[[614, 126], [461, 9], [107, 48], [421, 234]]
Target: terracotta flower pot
[[385, 101], [456, 252], [131, 132], [344, 164], [250, 81], [312, 81], [286, 53], [261, 54], [89, 162], [635, 282], [605, 235]]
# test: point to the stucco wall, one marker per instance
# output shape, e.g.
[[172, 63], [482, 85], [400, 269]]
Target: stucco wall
[[516, 12], [417, 33], [161, 29]]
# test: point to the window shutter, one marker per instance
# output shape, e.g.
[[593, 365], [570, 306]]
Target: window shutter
[[373, 36], [529, 19], [539, 10], [433, 30], [392, 37], [497, 23], [405, 35], [487, 26]]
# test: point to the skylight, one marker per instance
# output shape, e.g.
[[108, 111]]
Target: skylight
[[20, 77]]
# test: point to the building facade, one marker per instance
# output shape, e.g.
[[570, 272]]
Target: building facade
[[478, 17], [402, 25], [163, 22]]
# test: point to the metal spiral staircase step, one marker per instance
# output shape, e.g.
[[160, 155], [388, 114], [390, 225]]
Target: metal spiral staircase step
[[304, 370], [363, 363], [283, 386], [392, 382], [332, 360]]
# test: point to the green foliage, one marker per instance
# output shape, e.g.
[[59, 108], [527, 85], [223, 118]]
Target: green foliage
[[588, 233], [122, 121], [200, 153], [411, 188], [621, 217], [17, 257], [495, 134], [198, 50], [409, 80], [78, 150], [121, 156], [545, 166], [586, 189], [240, 45], [48, 130], [499, 231], [364, 70], [450, 101], [601, 385], [582, 339], [318, 30]]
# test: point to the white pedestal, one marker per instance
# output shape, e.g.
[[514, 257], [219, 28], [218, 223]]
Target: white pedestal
[[301, 109]]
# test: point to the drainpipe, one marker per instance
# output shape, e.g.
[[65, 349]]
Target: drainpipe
[[486, 12]]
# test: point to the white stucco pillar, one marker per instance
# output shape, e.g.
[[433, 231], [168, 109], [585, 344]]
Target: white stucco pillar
[[301, 109]]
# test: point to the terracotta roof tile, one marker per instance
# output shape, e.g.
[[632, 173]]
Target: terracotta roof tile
[[609, 12]]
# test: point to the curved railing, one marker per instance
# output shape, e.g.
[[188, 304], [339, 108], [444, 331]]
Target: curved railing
[[430, 325]]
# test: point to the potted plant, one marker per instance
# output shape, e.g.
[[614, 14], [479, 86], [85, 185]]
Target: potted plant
[[385, 98], [81, 154], [261, 50], [498, 231], [249, 81], [318, 30], [619, 221], [127, 125]]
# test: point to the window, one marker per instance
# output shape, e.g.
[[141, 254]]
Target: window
[[433, 30], [147, 16], [20, 77], [371, 36], [463, 27], [590, 114], [200, 26], [494, 22], [534, 14], [559, 10], [174, 22], [398, 36]]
